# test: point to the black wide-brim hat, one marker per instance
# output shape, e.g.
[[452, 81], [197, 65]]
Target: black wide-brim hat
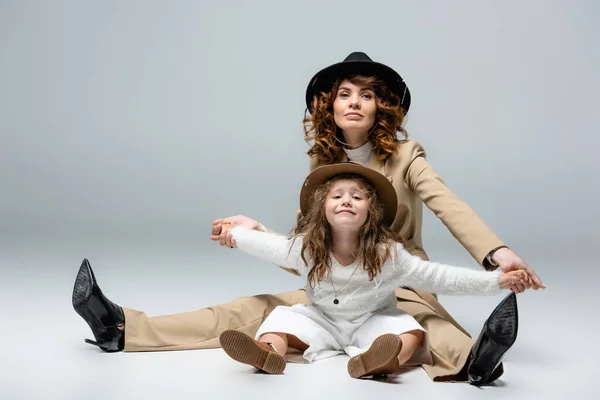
[[357, 63], [383, 187]]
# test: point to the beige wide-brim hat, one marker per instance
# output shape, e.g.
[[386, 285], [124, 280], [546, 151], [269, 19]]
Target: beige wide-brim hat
[[385, 191]]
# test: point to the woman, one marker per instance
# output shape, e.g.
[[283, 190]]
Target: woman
[[356, 109]]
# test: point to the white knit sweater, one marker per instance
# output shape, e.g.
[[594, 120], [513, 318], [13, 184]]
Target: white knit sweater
[[356, 294]]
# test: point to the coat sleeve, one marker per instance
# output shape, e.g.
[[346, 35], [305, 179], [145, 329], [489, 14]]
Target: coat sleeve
[[464, 224], [269, 247], [441, 278]]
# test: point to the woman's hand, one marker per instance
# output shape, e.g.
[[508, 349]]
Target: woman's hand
[[512, 279], [509, 261], [221, 228]]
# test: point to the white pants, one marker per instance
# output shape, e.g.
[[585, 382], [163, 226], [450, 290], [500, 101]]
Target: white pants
[[327, 337]]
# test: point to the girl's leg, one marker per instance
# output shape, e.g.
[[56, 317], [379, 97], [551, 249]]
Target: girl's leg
[[411, 341], [278, 341], [281, 342], [267, 355], [381, 358], [386, 355]]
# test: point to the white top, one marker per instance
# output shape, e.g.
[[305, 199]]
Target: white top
[[360, 154], [356, 294]]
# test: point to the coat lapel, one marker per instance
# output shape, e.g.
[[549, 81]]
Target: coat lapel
[[378, 166], [374, 164]]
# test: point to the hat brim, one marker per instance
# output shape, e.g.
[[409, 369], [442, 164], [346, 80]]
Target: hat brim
[[384, 188], [324, 79]]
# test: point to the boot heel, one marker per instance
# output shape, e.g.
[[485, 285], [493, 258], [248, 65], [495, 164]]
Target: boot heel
[[90, 341]]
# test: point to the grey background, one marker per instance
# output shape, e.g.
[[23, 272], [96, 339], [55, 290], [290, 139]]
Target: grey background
[[126, 127]]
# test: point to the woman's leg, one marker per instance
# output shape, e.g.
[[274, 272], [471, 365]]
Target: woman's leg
[[200, 329], [117, 328], [449, 344]]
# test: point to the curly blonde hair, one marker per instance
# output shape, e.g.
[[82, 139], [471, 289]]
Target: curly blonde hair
[[320, 125], [375, 239]]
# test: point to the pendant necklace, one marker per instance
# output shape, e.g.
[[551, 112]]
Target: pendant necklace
[[335, 299]]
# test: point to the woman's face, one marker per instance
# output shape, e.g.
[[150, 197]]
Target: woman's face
[[354, 110]]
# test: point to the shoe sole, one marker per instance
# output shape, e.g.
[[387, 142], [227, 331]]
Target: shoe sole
[[82, 290], [503, 329], [244, 349], [383, 351], [502, 332]]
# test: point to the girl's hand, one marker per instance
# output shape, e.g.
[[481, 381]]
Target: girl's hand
[[513, 279], [509, 261], [221, 228]]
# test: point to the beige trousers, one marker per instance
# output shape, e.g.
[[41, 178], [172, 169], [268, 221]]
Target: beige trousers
[[450, 343]]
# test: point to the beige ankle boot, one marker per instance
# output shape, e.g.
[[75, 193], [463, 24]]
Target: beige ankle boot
[[246, 350], [380, 359]]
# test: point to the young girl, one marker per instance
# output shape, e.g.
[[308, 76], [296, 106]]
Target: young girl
[[353, 262]]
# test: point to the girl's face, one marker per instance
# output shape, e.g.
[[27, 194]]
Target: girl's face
[[354, 110], [346, 205]]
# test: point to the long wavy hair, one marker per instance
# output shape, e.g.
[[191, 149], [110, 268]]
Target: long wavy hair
[[375, 239], [320, 127]]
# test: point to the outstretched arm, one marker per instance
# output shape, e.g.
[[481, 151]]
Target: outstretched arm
[[222, 226], [221, 232], [448, 279], [464, 224], [268, 246]]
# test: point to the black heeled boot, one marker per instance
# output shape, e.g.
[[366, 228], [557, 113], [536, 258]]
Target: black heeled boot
[[496, 338], [101, 314]]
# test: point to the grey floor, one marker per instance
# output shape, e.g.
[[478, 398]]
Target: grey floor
[[44, 356]]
